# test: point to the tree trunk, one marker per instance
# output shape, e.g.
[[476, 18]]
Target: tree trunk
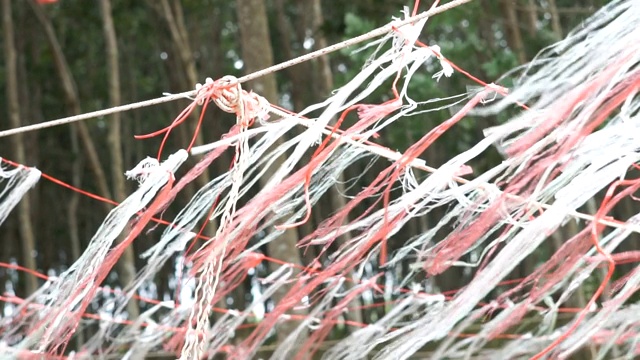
[[72, 212], [555, 19], [532, 18], [127, 262], [175, 20], [72, 100], [174, 17], [322, 77], [74, 200], [27, 237], [514, 37], [257, 54], [298, 73], [485, 22]]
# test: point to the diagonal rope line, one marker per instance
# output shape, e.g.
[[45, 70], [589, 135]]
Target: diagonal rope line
[[312, 55]]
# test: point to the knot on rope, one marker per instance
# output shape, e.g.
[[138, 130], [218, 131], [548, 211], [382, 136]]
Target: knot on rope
[[228, 95], [255, 106], [225, 92]]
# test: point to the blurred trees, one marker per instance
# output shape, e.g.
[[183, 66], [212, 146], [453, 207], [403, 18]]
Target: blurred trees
[[64, 62], [26, 232], [257, 54]]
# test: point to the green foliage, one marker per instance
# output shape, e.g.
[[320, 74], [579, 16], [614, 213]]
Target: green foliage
[[356, 25], [497, 66]]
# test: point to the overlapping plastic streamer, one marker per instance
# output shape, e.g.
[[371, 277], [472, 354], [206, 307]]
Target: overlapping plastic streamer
[[576, 135], [15, 183]]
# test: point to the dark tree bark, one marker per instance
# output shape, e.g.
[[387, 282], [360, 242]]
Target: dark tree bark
[[70, 90], [555, 19], [173, 15], [257, 54], [72, 99], [296, 74], [532, 17], [322, 77], [27, 237], [72, 211], [512, 28], [127, 263]]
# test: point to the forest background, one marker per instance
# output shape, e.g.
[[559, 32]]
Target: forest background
[[71, 56]]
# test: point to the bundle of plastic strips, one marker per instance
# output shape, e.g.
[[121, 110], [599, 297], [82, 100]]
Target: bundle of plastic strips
[[574, 138]]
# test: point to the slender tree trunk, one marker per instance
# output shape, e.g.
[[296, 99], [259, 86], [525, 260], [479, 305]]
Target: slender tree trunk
[[72, 211], [73, 101], [485, 22], [296, 74], [257, 54], [74, 200], [27, 237], [175, 20], [322, 77], [127, 261], [114, 137], [555, 19], [174, 17], [532, 18], [31, 112], [514, 37]]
